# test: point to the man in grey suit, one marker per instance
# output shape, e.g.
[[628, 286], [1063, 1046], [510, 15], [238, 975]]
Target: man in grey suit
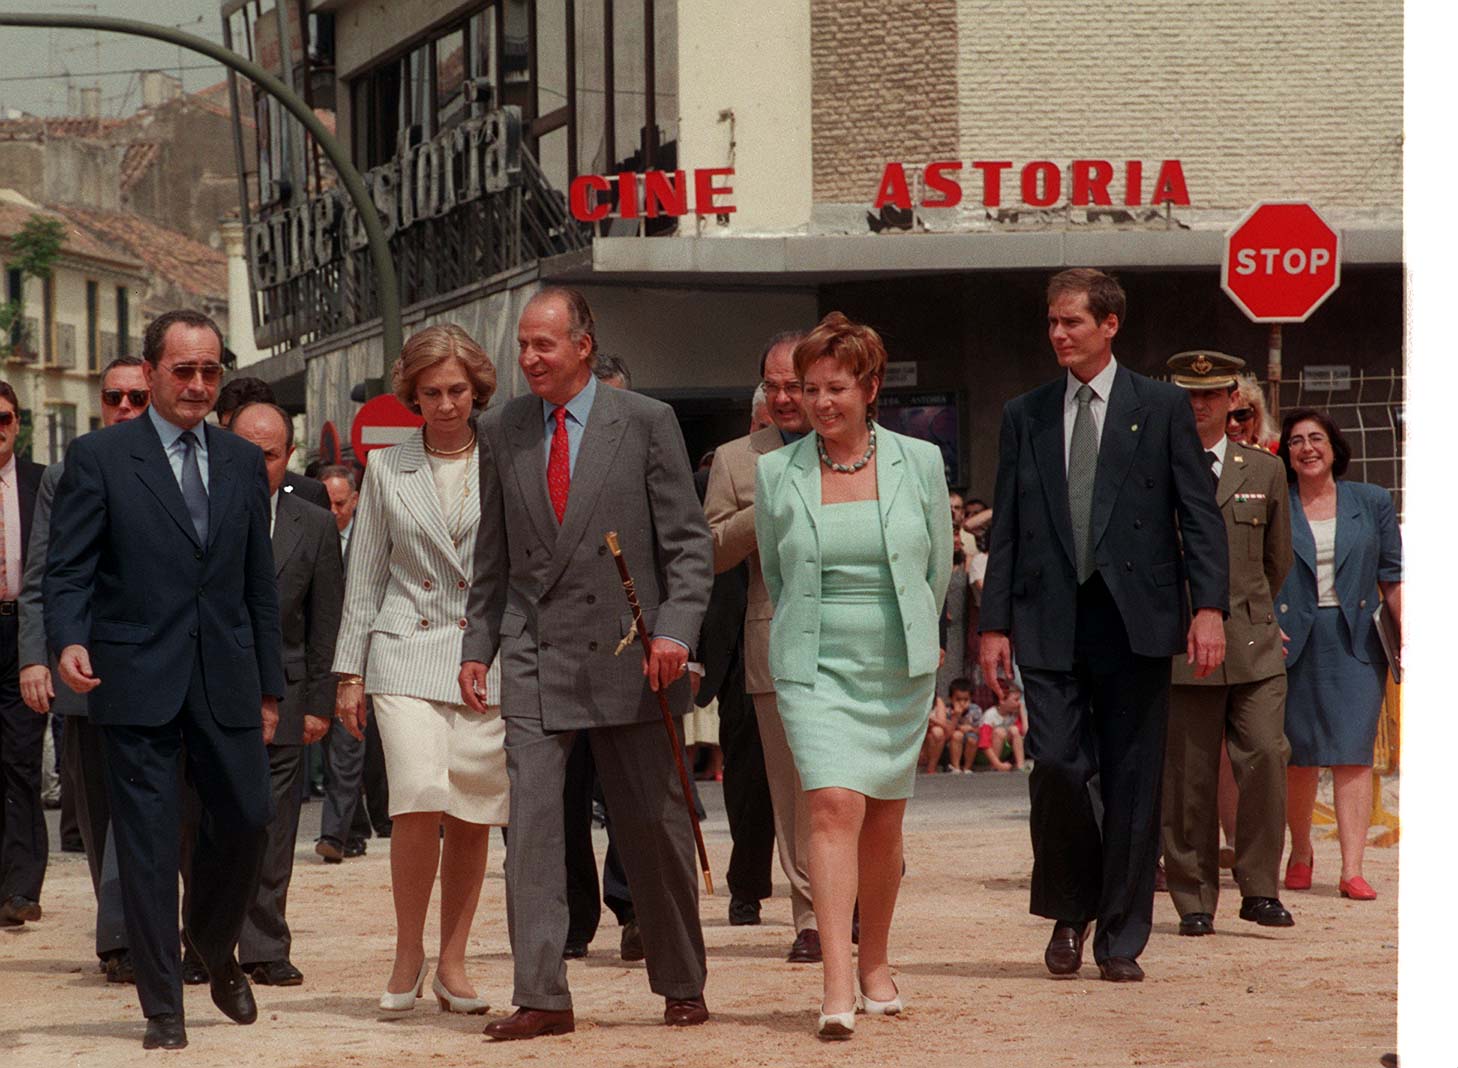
[[310, 574], [124, 396], [559, 467]]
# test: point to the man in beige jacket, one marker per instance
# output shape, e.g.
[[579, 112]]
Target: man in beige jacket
[[729, 505], [1242, 703]]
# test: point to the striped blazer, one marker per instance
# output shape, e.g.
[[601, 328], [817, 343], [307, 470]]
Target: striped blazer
[[405, 586]]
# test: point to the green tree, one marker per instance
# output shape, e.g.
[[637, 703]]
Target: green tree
[[32, 252]]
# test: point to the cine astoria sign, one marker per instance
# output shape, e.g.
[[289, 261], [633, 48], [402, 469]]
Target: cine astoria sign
[[1037, 184]]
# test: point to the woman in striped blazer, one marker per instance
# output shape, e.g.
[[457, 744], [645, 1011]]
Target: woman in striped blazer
[[400, 642]]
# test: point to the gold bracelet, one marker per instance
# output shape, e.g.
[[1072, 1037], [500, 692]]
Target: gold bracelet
[[351, 680]]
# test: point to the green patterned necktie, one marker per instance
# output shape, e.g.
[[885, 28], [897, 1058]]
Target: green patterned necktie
[[1083, 462]]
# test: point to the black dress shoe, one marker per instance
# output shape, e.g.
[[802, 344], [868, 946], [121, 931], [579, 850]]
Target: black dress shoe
[[630, 947], [574, 950], [743, 912], [274, 973], [165, 1031], [194, 972], [330, 850], [1064, 955], [1121, 970], [1266, 911], [17, 910], [119, 968], [72, 845], [355, 847], [1197, 923], [806, 947], [383, 830], [232, 994]]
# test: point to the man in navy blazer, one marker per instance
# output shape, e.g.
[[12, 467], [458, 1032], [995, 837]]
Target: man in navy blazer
[[1086, 574], [162, 606]]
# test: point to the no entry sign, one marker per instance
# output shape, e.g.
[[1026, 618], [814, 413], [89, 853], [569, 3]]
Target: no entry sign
[[1281, 260], [382, 421]]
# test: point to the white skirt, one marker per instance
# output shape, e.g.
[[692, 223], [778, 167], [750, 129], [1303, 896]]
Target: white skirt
[[442, 757]]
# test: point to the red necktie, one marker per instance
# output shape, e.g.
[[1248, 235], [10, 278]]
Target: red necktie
[[559, 465]]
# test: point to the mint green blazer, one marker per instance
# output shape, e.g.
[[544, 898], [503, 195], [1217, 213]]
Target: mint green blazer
[[916, 521]]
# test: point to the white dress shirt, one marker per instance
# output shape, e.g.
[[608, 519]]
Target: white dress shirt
[[1219, 451], [1101, 383]]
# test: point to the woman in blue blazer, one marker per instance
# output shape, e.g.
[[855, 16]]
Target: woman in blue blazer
[[851, 522], [1347, 548]]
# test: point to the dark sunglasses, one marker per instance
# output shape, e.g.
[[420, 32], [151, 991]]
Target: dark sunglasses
[[186, 372], [1240, 415], [6, 418], [113, 397]]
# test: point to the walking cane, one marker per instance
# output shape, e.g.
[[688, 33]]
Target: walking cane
[[611, 537]]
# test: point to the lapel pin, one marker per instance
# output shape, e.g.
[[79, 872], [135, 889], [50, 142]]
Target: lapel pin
[[1239, 459], [1134, 426]]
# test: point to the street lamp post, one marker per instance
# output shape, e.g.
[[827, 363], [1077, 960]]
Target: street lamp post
[[353, 182]]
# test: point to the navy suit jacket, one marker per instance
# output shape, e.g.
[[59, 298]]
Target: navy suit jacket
[[1368, 551], [1151, 471], [126, 578]]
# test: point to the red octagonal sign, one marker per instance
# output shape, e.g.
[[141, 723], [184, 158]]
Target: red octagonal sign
[[1281, 261]]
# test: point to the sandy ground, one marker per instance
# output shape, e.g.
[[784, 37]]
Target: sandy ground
[[969, 961]]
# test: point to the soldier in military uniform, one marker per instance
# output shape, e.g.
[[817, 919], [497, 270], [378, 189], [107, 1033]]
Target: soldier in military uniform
[[1241, 704]]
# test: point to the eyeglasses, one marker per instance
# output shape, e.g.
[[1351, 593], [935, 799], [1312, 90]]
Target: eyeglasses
[[791, 389], [1240, 415], [185, 372], [113, 397], [6, 418]]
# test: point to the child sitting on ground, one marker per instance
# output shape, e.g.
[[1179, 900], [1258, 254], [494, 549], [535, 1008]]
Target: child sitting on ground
[[951, 722], [966, 720], [1004, 727]]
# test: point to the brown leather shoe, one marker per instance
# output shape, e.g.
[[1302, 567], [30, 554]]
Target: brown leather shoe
[[685, 1012], [531, 1023], [806, 947], [1121, 970], [1064, 955]]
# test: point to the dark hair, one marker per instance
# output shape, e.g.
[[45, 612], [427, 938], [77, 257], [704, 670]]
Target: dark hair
[[288, 420], [241, 391], [120, 361], [155, 337], [784, 337], [337, 471], [1341, 451], [579, 312], [7, 391], [961, 684], [1105, 295], [606, 367]]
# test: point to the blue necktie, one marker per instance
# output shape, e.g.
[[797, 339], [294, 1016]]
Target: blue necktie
[[193, 493]]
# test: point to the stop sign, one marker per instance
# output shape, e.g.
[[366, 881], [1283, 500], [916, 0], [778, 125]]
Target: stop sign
[[1281, 260], [381, 422]]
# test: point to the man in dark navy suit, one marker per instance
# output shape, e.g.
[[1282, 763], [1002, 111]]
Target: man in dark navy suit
[[1105, 507], [161, 604]]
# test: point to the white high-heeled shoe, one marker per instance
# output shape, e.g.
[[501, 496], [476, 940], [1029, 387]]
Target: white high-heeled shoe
[[450, 1003], [871, 1007], [836, 1026], [405, 1002]]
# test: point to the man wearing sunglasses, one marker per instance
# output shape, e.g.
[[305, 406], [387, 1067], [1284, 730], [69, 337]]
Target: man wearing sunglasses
[[124, 396], [162, 605], [23, 841]]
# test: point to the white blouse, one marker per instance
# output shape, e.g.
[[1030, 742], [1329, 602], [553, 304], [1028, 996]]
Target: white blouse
[[1323, 531]]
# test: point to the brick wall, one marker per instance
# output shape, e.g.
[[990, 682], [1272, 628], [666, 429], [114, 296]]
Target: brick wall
[[1259, 99], [884, 87]]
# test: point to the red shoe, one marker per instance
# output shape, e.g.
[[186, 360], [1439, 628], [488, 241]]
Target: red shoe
[[1357, 889], [1298, 875]]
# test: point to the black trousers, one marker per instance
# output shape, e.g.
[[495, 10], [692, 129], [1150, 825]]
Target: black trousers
[[230, 770], [1106, 717], [23, 839], [265, 935], [746, 793]]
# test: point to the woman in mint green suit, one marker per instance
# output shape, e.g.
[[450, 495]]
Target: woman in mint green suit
[[856, 547]]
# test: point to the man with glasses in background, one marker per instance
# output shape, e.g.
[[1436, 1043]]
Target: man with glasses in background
[[162, 604], [23, 841], [124, 396], [729, 506]]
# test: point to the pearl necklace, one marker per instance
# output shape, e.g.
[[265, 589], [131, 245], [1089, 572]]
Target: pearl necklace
[[848, 469]]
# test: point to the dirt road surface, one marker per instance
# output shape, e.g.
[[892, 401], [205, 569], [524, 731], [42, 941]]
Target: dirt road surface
[[969, 961]]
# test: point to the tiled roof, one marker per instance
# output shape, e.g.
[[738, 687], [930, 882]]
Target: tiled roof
[[79, 242], [138, 157], [32, 128], [179, 260]]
